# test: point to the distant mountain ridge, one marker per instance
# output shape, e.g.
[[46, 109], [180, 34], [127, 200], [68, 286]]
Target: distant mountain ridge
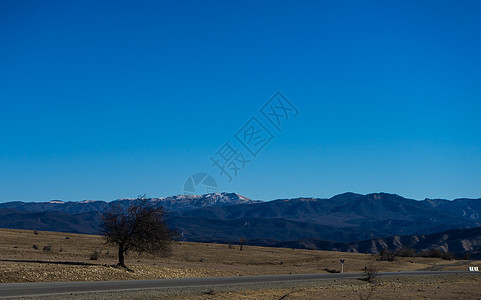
[[227, 217], [350, 216], [173, 203]]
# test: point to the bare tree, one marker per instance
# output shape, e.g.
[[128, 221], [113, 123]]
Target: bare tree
[[141, 227], [387, 255]]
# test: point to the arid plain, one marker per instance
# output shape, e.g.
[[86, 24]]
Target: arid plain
[[28, 256]]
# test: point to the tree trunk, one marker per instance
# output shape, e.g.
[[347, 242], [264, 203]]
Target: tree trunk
[[121, 256]]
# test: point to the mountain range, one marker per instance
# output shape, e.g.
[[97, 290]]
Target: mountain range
[[346, 222]]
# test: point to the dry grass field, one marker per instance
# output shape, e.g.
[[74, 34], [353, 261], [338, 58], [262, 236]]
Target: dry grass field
[[52, 256]]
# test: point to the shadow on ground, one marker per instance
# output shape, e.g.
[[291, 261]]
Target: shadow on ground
[[72, 263]]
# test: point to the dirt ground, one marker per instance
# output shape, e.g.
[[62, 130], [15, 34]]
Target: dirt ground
[[430, 287], [52, 256]]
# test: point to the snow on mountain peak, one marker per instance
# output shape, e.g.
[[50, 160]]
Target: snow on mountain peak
[[56, 202]]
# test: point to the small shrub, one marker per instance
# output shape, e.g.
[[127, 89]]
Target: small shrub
[[331, 270], [35, 232], [95, 255], [370, 273], [67, 238], [60, 250], [47, 248], [242, 242], [35, 247], [209, 292], [231, 246]]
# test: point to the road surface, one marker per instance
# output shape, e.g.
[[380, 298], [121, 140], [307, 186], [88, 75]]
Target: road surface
[[58, 288]]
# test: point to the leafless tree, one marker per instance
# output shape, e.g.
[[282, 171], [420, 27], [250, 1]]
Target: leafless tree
[[141, 228], [387, 255]]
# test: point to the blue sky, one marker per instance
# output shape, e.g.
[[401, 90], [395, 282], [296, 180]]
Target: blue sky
[[120, 98]]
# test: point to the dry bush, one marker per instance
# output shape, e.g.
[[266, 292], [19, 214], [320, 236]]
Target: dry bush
[[386, 255], [331, 270], [95, 255], [406, 252], [370, 273]]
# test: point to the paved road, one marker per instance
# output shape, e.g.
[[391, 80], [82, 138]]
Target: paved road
[[52, 288]]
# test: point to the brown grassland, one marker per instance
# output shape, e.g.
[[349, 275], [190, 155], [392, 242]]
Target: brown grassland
[[53, 256]]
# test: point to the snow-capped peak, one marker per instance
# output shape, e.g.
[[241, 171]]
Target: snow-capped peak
[[56, 202]]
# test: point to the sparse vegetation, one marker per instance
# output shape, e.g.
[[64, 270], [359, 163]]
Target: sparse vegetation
[[210, 292], [35, 247], [370, 273], [35, 232], [242, 242], [405, 252], [370, 292], [331, 270], [95, 255], [390, 255], [73, 263], [386, 255], [437, 253], [47, 248]]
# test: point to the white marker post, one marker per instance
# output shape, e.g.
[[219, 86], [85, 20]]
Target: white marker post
[[342, 265]]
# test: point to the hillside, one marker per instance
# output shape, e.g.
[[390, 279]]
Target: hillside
[[458, 241], [348, 222]]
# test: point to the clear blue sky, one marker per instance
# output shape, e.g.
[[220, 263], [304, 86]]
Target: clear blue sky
[[118, 98]]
